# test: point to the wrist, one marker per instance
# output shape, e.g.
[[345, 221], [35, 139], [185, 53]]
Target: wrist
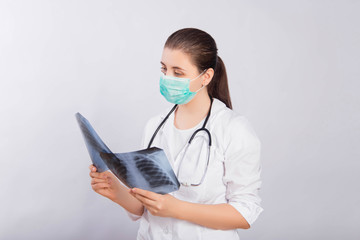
[[180, 209], [116, 199]]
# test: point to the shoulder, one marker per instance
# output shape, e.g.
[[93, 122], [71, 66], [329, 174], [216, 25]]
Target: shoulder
[[237, 132], [242, 129]]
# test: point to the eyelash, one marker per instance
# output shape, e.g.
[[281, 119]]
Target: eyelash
[[162, 68]]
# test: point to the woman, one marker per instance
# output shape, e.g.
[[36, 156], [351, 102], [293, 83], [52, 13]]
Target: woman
[[227, 197]]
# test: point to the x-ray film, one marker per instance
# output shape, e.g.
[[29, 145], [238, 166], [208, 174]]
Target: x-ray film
[[147, 169]]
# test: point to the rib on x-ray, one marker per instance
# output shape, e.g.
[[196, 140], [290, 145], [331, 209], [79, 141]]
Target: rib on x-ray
[[147, 169]]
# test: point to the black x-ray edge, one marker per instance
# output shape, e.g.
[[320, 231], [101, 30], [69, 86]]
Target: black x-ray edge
[[147, 169]]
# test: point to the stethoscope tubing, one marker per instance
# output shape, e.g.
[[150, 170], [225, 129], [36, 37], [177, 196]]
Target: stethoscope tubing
[[193, 135], [191, 138]]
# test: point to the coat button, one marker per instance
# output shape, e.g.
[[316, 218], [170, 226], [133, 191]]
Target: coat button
[[166, 230]]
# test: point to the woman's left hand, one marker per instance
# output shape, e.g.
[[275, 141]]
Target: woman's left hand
[[159, 205]]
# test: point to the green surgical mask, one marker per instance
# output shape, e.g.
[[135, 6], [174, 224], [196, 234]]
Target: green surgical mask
[[176, 90]]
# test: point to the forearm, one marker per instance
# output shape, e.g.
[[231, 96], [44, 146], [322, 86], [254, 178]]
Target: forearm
[[217, 216], [129, 202]]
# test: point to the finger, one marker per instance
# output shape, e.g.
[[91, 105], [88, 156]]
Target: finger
[[100, 185], [94, 174], [147, 206], [99, 180], [145, 193], [133, 194], [145, 200], [92, 167], [151, 210], [97, 175], [140, 200]]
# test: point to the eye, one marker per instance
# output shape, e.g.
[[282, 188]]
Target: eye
[[178, 74], [163, 69]]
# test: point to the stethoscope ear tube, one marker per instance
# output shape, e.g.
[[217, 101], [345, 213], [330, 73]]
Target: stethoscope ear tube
[[158, 128], [167, 116]]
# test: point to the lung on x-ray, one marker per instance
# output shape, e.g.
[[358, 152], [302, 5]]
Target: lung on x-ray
[[147, 169]]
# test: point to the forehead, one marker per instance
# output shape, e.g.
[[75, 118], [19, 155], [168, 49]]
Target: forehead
[[176, 57]]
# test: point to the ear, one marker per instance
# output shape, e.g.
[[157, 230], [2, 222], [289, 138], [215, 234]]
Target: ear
[[208, 75]]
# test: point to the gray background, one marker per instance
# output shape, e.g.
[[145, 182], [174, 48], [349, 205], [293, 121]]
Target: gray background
[[293, 69]]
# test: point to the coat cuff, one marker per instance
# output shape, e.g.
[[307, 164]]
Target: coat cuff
[[249, 211], [132, 216]]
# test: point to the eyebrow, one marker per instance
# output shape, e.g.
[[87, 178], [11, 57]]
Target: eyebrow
[[175, 67]]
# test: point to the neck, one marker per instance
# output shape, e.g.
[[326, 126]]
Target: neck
[[198, 106]]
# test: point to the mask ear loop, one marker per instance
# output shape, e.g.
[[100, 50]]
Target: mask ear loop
[[197, 77], [200, 88]]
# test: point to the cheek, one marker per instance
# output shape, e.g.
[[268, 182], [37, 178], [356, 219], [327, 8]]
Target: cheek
[[195, 85]]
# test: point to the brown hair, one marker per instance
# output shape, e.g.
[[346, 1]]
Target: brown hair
[[202, 49]]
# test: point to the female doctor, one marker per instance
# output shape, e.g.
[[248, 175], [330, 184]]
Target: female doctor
[[219, 171]]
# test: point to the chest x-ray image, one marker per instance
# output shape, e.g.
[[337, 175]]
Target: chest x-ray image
[[147, 169]]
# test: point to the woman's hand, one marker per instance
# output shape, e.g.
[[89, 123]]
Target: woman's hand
[[105, 183], [158, 204]]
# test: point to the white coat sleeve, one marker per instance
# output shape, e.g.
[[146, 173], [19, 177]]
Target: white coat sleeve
[[242, 168], [132, 216]]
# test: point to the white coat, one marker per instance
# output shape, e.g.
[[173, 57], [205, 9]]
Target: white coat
[[233, 175]]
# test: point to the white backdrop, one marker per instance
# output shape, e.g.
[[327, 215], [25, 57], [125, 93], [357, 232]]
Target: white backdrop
[[293, 69]]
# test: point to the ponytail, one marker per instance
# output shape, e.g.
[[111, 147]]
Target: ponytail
[[218, 86]]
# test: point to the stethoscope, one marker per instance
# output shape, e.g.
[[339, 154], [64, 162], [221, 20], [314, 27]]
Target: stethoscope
[[188, 144]]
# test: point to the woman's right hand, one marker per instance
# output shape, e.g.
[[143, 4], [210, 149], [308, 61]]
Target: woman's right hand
[[105, 183]]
